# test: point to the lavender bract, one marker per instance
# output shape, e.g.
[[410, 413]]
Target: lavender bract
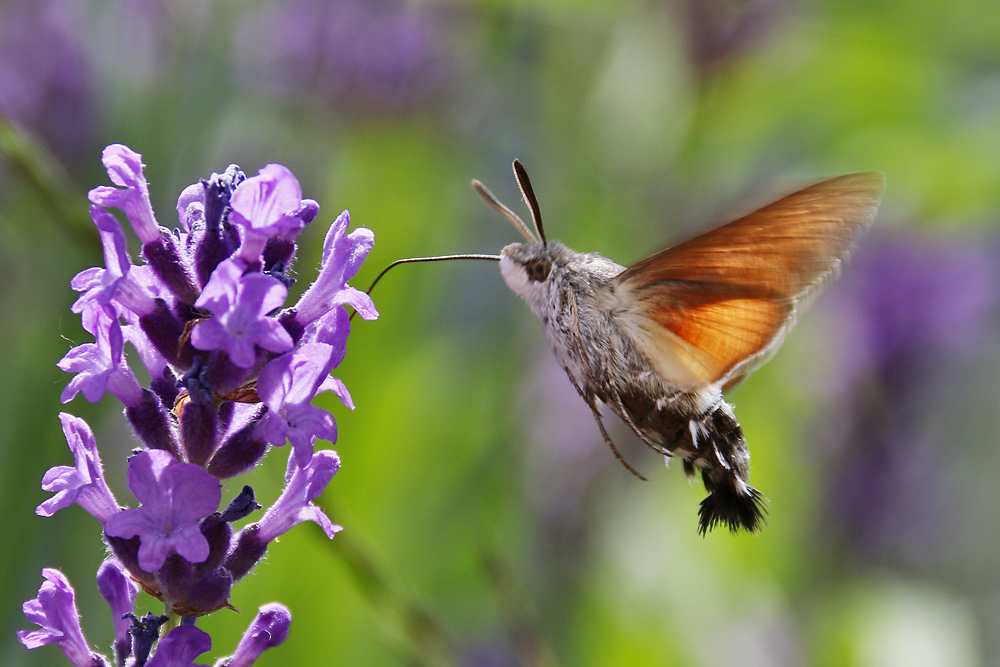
[[233, 371]]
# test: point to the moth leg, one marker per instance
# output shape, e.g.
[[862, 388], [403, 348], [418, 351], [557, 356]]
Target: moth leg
[[610, 443], [591, 402], [623, 413]]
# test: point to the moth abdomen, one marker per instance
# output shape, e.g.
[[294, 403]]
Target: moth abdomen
[[703, 431], [731, 502]]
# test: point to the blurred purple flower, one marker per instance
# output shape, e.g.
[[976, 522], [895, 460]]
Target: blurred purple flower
[[83, 483], [910, 308], [54, 611], [359, 54], [46, 73], [173, 497], [719, 31], [907, 297]]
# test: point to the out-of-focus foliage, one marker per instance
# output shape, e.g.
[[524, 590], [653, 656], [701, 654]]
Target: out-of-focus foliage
[[485, 524]]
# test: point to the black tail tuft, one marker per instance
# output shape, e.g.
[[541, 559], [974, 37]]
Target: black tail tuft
[[737, 505]]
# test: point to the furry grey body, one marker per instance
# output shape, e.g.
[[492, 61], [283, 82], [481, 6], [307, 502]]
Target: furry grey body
[[590, 329]]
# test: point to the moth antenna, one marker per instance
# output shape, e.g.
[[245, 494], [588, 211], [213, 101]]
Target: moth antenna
[[529, 196], [495, 204], [413, 260]]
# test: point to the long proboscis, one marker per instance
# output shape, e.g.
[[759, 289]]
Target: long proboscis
[[436, 258]]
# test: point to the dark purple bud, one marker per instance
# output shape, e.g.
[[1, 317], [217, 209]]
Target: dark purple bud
[[199, 431], [144, 632], [241, 506], [153, 424], [277, 270], [269, 629], [226, 410], [209, 593], [163, 257], [176, 577], [290, 320], [278, 251], [239, 453], [127, 553], [223, 375], [165, 386], [219, 239], [164, 330], [195, 381], [214, 247], [218, 534], [249, 549]]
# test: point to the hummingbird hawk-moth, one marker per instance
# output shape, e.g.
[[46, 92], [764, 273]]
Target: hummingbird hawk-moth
[[660, 342]]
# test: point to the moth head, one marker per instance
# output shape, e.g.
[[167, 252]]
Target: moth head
[[527, 268]]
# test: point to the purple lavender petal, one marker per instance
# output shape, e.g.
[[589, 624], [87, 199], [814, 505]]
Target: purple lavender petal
[[240, 304], [99, 366], [287, 385], [337, 387], [266, 203], [332, 329], [174, 497], [118, 280], [191, 206], [342, 257], [268, 629], [119, 591], [83, 483], [180, 647], [54, 610], [125, 167], [302, 485]]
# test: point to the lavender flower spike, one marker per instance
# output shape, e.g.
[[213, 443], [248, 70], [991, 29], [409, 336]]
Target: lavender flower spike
[[269, 629], [83, 483], [174, 497], [54, 610], [124, 168]]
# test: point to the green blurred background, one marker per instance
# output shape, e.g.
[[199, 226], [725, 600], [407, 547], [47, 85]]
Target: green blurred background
[[485, 522]]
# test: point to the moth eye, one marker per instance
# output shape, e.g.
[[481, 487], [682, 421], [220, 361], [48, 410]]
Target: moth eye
[[538, 269]]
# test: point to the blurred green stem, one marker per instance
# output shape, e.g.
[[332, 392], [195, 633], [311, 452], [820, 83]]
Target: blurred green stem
[[419, 635], [48, 178]]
